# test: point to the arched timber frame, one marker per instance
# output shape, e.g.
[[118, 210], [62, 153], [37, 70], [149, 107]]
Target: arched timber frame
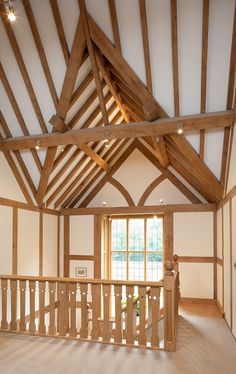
[[122, 190], [150, 188]]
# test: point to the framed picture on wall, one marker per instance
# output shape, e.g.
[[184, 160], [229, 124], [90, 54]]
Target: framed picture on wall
[[81, 272]]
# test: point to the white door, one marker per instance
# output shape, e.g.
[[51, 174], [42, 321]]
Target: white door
[[234, 266]]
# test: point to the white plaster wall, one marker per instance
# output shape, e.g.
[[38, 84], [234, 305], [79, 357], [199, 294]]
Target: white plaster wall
[[136, 173], [61, 246], [110, 195], [189, 53], [5, 240], [219, 255], [28, 243], [49, 245], [9, 188], [131, 35], [234, 262], [219, 284], [219, 233], [82, 235], [196, 280], [193, 234], [168, 193], [227, 265]]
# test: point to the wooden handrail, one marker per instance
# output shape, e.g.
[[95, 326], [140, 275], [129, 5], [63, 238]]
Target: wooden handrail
[[83, 280]]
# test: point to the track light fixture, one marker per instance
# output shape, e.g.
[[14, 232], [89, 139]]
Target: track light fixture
[[37, 145], [180, 129], [106, 141], [161, 201], [155, 217], [62, 148], [11, 15]]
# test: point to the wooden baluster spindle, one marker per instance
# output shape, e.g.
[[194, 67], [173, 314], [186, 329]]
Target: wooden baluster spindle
[[22, 324], [142, 340], [155, 302], [4, 324], [72, 303], [95, 311], [118, 316], [106, 311], [84, 311], [13, 323], [42, 327], [63, 304], [32, 325], [52, 309], [129, 335]]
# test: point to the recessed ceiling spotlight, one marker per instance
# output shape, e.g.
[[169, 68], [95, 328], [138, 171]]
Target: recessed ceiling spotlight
[[11, 15], [37, 145], [180, 129], [106, 140]]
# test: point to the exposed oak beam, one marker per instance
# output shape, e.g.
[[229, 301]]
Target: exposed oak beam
[[86, 124], [22, 67], [94, 156], [88, 181], [133, 129], [18, 156], [205, 24], [46, 172], [229, 103], [18, 113], [111, 86], [175, 55], [151, 108], [16, 174], [114, 22], [142, 209], [159, 146], [60, 30], [106, 177], [90, 46], [40, 49], [143, 15], [70, 78]]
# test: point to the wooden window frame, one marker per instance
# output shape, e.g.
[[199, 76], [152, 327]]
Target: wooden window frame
[[108, 259]]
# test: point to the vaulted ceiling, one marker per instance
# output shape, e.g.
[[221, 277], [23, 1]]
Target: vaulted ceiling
[[84, 84]]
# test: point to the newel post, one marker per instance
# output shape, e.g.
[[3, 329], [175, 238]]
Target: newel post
[[169, 307]]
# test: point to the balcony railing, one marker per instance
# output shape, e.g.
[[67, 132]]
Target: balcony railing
[[106, 311]]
